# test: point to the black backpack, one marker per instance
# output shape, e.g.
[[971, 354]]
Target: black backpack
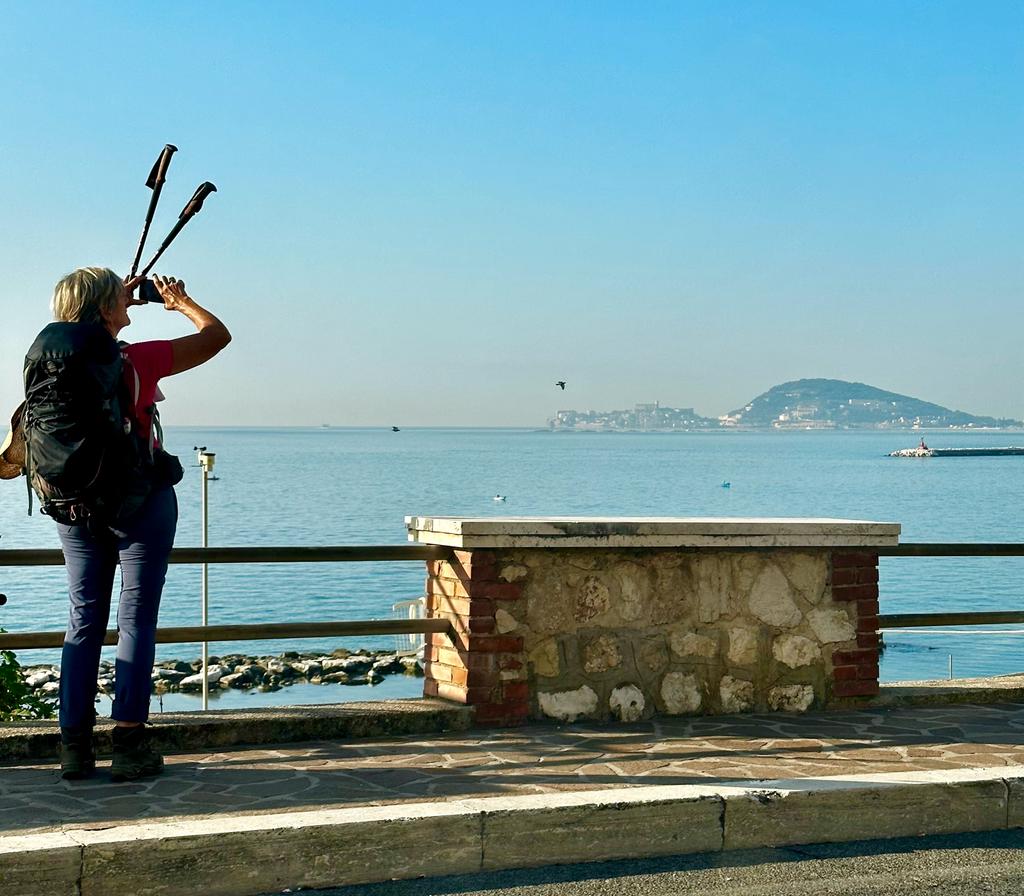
[[83, 457]]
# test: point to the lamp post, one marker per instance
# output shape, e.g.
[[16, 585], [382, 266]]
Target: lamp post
[[206, 461]]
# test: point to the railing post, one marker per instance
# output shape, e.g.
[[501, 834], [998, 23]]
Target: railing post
[[206, 460]]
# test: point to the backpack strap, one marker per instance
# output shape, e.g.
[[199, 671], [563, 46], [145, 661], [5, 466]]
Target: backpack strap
[[156, 431], [28, 474], [134, 385]]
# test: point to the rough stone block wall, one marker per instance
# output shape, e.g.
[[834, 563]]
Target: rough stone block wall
[[616, 633]]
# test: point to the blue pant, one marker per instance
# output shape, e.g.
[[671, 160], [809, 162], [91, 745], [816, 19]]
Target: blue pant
[[143, 555]]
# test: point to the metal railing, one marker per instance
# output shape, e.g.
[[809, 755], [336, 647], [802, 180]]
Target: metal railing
[[192, 634], [414, 552], [940, 549], [327, 554], [264, 632]]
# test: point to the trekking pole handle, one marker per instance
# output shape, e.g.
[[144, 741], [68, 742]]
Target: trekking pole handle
[[155, 182], [159, 173], [193, 206]]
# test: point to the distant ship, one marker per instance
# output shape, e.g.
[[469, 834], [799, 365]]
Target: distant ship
[[395, 429]]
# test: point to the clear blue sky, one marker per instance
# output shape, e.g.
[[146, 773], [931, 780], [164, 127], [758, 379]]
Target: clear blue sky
[[428, 213]]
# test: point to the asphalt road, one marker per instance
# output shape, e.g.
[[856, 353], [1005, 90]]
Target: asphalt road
[[962, 865]]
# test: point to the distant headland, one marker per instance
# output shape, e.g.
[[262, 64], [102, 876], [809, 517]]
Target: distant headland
[[800, 404]]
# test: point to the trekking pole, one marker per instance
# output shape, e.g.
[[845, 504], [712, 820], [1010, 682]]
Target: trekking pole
[[156, 183], [190, 210]]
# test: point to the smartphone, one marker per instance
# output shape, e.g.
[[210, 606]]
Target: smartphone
[[148, 292]]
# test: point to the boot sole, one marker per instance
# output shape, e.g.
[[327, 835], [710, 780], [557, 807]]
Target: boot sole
[[149, 771], [78, 774]]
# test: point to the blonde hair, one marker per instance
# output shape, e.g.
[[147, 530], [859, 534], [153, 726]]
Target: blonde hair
[[82, 295]]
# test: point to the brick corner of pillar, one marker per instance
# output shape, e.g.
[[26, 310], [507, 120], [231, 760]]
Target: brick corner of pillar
[[853, 581], [467, 590]]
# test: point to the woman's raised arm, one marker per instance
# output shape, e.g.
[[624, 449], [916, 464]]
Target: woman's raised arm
[[212, 335]]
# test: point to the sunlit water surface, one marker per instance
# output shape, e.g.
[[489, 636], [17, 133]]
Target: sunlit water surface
[[329, 486]]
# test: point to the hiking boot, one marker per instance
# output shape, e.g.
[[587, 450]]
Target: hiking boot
[[134, 755], [77, 756]]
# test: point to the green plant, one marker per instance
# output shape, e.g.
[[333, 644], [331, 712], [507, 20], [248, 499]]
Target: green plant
[[16, 698]]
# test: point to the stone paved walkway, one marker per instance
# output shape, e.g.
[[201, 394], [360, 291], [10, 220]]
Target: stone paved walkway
[[535, 759]]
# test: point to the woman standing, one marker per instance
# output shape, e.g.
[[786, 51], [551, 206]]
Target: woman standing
[[140, 542]]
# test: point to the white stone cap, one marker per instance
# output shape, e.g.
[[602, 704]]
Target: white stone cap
[[647, 532]]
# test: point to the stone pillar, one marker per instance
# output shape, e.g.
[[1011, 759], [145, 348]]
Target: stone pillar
[[485, 666], [854, 580], [600, 618]]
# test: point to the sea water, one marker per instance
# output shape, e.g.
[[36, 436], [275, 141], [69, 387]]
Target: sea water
[[340, 486]]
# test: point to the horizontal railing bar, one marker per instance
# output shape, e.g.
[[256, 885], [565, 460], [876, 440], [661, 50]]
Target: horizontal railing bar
[[917, 620], [412, 552], [946, 632], [911, 549], [269, 632], [423, 552], [327, 554], [943, 549]]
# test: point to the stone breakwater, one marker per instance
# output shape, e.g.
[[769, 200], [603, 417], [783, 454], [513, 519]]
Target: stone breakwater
[[264, 673], [958, 452]]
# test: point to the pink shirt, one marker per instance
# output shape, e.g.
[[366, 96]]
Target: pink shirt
[[147, 363]]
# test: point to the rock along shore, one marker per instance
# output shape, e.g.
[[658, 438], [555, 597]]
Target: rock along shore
[[241, 672]]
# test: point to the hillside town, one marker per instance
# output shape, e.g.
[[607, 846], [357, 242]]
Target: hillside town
[[642, 418], [798, 405]]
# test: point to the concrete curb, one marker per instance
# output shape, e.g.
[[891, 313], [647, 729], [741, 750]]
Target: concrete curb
[[242, 855], [182, 731], [995, 689]]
